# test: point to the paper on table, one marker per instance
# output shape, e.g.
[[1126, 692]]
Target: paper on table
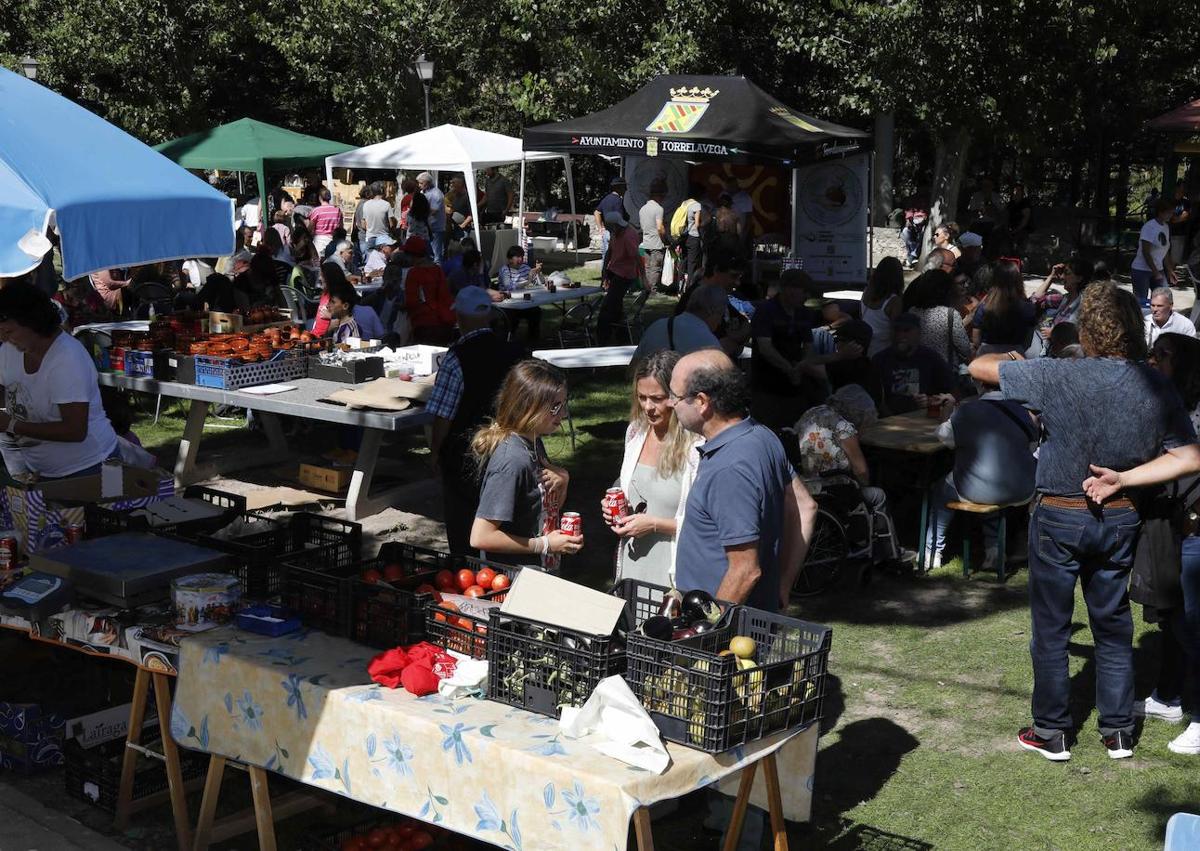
[[267, 389], [614, 713], [558, 602]]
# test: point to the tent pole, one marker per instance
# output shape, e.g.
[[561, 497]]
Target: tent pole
[[261, 176], [329, 182], [571, 194], [469, 179], [521, 206], [795, 213], [241, 183]]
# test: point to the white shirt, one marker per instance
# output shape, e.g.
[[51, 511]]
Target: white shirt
[[375, 261], [197, 272], [251, 216], [1176, 324], [690, 334], [1159, 237], [66, 375]]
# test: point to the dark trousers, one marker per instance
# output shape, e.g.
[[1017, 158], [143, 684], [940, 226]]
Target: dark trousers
[[612, 308], [460, 500], [1095, 548], [1179, 670], [533, 322], [693, 262]]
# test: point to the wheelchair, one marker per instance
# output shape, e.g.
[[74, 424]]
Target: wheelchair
[[843, 533]]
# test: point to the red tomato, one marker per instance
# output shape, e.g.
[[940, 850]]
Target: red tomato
[[466, 578], [394, 841], [352, 843], [440, 613], [426, 588], [444, 580], [377, 838], [475, 591], [393, 572], [372, 575], [500, 582], [466, 623], [485, 576], [420, 839]]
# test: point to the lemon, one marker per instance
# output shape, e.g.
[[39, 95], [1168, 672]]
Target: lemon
[[742, 646]]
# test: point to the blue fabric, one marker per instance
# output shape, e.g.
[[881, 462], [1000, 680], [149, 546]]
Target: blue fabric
[[1185, 622], [116, 201], [1096, 549], [1102, 411], [369, 325], [737, 498], [993, 460], [447, 389]]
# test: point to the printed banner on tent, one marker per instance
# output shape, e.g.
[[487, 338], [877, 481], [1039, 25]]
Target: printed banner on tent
[[830, 219]]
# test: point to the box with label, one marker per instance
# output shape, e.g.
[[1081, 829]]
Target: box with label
[[424, 360], [330, 479]]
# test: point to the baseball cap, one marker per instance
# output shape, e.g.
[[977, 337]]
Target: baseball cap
[[415, 245], [384, 240], [970, 239], [472, 301]]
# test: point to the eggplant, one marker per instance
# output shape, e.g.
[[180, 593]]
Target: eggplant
[[671, 604], [702, 626], [700, 605], [657, 627], [680, 634]]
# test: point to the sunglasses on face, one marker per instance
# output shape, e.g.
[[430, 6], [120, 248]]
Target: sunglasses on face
[[558, 407]]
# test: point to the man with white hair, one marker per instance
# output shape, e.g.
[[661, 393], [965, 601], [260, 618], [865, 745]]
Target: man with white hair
[[1163, 319], [343, 256], [437, 214]]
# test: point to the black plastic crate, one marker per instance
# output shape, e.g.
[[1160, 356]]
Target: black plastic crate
[[540, 667], [321, 593], [460, 632], [257, 557], [702, 699], [101, 521], [350, 372], [94, 774]]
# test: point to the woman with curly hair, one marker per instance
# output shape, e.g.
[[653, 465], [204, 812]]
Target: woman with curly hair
[[1107, 412]]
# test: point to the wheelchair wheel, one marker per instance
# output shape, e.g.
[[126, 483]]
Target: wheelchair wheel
[[827, 551]]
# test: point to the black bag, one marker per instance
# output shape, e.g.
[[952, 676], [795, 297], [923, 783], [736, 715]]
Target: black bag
[[1157, 557]]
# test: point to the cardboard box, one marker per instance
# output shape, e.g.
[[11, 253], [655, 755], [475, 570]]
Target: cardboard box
[[224, 323], [424, 360], [331, 479], [105, 725], [114, 481]]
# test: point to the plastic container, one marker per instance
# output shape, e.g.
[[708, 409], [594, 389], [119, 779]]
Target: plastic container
[[94, 774], [256, 558], [461, 632], [705, 700], [232, 374], [268, 620], [100, 520]]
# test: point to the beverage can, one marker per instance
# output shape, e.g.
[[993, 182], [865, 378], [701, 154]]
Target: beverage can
[[571, 523], [74, 533], [8, 552], [615, 504]]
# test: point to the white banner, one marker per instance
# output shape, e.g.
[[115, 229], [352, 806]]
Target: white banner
[[829, 219]]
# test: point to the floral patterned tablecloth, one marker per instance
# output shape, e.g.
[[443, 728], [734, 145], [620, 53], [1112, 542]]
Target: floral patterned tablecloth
[[303, 705]]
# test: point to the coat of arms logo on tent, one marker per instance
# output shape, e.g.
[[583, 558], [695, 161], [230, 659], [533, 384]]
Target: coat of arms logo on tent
[[682, 111]]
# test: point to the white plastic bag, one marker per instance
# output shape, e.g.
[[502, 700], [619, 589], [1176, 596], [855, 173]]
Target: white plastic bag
[[668, 269]]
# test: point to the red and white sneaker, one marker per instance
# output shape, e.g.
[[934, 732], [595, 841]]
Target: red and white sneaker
[[1053, 748]]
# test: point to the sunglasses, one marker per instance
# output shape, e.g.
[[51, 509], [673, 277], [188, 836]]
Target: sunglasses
[[558, 407]]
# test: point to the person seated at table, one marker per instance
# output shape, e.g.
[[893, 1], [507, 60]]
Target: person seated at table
[[1063, 341], [659, 466], [260, 283], [993, 441], [377, 257], [827, 440], [455, 252], [348, 318], [427, 296], [782, 387], [1074, 277], [852, 340], [343, 256], [515, 275], [53, 425], [694, 329], [913, 376], [82, 303], [521, 494], [337, 238], [304, 253], [1163, 319], [1004, 321], [219, 293], [470, 274], [934, 298]]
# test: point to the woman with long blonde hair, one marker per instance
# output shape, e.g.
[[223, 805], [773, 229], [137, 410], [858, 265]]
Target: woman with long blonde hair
[[521, 492], [658, 468]]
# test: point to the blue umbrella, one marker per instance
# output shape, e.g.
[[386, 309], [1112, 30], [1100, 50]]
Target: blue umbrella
[[114, 201]]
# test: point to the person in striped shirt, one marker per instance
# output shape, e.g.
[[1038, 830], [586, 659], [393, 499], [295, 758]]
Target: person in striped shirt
[[324, 220]]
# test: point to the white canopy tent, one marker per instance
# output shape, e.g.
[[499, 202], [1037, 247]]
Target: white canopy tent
[[451, 148]]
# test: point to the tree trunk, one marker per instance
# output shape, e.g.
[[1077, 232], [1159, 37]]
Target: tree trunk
[[885, 137], [1122, 190], [1101, 201], [951, 147]]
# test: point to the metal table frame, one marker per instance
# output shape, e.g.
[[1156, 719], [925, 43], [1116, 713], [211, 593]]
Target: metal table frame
[[360, 502]]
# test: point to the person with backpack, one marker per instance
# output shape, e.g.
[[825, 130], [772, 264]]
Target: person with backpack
[[685, 233]]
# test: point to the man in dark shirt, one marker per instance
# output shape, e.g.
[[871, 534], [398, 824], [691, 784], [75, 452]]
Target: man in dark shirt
[[782, 332], [912, 376], [1103, 413]]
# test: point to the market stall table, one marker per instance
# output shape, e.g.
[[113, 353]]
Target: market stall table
[[592, 357], [152, 645], [913, 434], [540, 296], [303, 401], [303, 705]]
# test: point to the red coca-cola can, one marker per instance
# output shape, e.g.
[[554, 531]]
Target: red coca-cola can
[[571, 523], [8, 553], [74, 533], [615, 504]]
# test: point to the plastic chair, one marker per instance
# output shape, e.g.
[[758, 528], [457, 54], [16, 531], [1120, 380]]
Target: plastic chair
[[296, 303], [1183, 832], [575, 328], [633, 319]]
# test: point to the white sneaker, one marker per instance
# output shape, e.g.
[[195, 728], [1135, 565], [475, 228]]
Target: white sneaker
[[1188, 741], [1151, 707], [933, 560]]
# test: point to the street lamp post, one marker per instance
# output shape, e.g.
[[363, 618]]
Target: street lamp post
[[29, 67], [424, 69]]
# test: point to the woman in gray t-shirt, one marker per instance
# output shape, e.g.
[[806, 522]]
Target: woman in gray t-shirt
[[522, 493]]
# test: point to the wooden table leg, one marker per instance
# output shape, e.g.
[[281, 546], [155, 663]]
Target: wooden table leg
[[208, 804], [189, 444], [262, 808], [162, 699], [641, 825], [775, 802], [137, 714], [734, 832]]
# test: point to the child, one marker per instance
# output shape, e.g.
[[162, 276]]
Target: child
[[352, 319]]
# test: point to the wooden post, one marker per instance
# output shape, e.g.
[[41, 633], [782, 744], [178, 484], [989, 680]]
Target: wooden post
[[262, 808], [208, 804], [734, 832], [641, 826], [179, 810], [775, 802], [137, 714]]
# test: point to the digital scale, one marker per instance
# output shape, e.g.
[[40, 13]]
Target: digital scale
[[36, 596]]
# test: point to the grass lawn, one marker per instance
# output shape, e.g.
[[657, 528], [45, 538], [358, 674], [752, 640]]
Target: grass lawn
[[930, 681]]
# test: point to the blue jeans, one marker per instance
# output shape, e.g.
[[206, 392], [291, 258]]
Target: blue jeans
[[437, 244], [1095, 548], [1185, 624], [943, 492], [1142, 283], [912, 241]]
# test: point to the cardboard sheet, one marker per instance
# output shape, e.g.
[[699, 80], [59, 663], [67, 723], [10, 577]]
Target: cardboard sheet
[[383, 394], [256, 500], [558, 602]]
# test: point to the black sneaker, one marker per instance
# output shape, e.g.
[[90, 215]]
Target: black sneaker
[[1053, 748], [1119, 745]]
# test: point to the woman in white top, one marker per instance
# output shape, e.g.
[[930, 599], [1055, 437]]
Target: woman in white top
[[945, 236], [881, 302], [657, 471], [53, 423]]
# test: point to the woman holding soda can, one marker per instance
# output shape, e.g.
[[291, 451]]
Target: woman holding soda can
[[660, 461], [521, 492]]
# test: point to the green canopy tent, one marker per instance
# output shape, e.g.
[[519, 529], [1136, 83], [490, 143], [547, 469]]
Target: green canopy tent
[[249, 145]]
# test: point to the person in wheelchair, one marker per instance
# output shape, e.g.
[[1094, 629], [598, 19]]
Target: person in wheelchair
[[827, 440]]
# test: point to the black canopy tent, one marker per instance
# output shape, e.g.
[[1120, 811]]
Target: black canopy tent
[[700, 117]]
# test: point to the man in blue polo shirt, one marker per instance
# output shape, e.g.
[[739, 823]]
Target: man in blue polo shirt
[[748, 518]]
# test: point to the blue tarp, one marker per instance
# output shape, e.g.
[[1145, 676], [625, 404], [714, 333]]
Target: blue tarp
[[113, 200]]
